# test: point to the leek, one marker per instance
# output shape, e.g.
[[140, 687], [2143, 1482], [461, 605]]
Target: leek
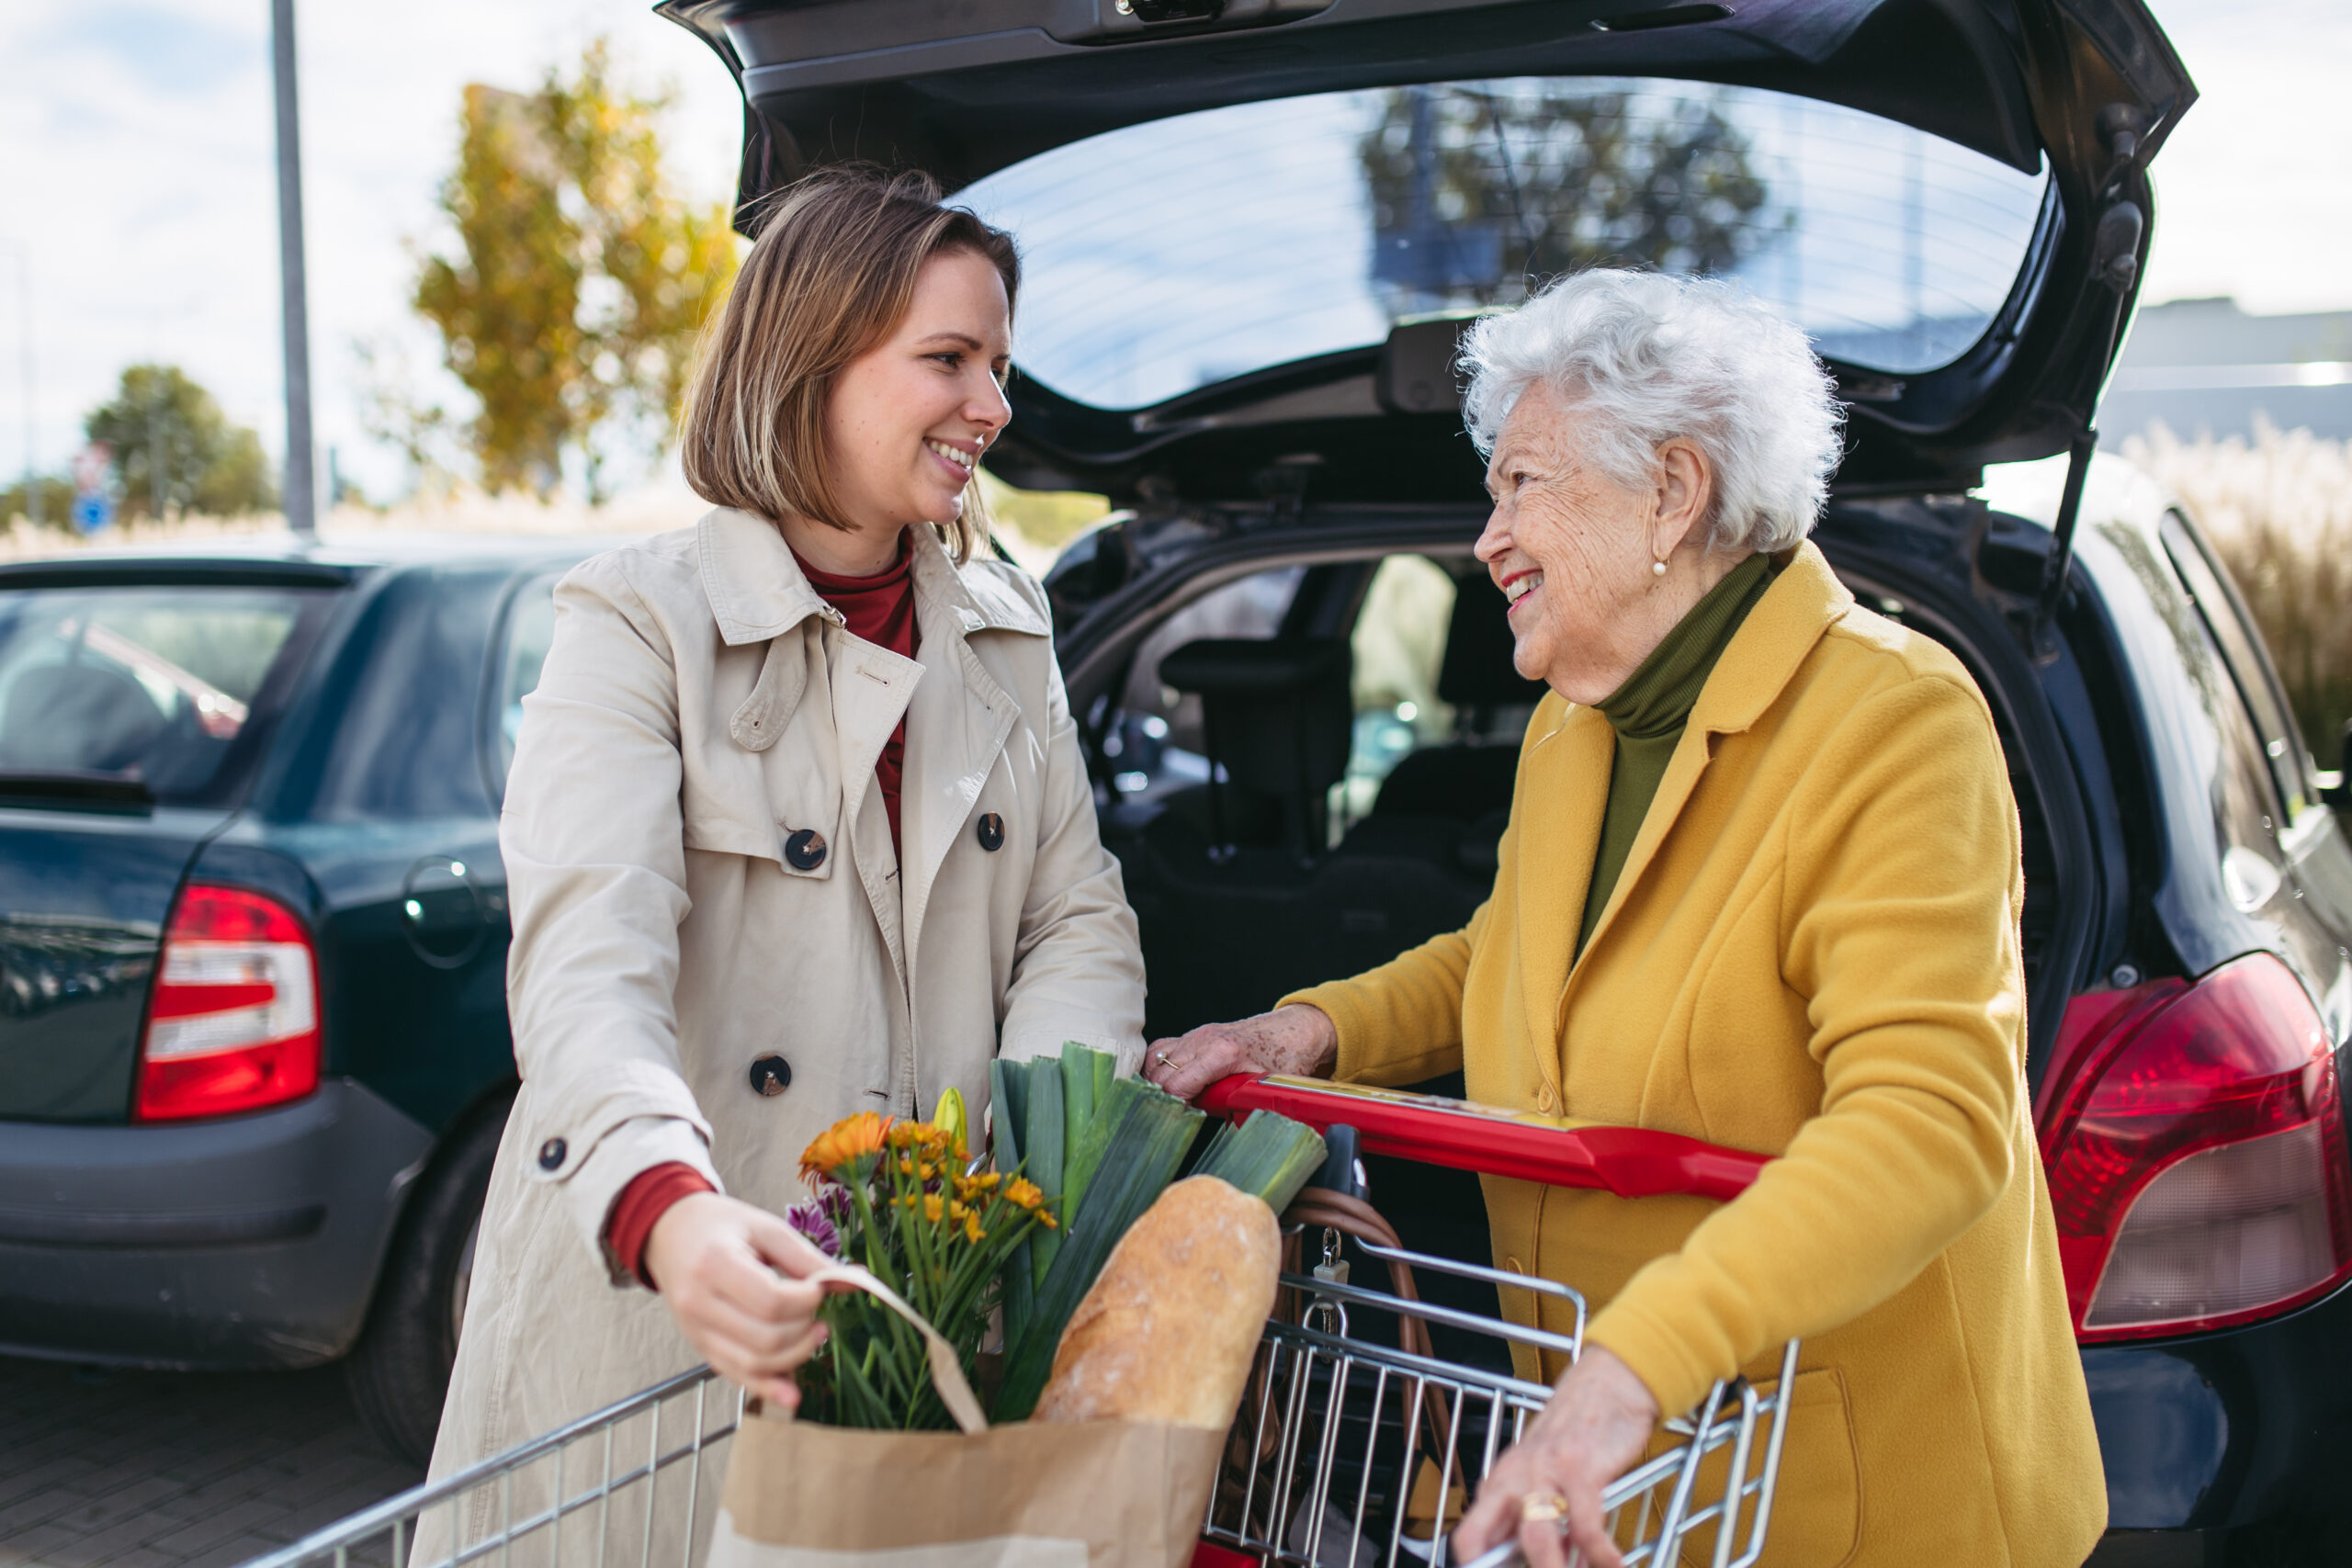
[[1141, 1155], [1268, 1156]]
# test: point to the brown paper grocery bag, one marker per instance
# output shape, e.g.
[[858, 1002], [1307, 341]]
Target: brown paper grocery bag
[[1082, 1495], [1087, 1494]]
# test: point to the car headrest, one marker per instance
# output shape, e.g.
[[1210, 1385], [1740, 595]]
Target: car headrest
[[1279, 712], [1256, 666], [1476, 671]]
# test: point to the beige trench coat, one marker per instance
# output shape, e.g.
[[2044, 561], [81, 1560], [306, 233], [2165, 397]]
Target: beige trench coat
[[700, 704]]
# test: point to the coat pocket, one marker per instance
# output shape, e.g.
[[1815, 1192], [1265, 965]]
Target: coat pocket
[[1817, 1506]]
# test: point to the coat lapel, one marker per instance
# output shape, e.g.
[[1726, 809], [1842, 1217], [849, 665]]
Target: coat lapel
[[1563, 792], [1755, 669], [958, 722]]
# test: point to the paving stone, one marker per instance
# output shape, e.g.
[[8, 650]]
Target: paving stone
[[176, 1470]]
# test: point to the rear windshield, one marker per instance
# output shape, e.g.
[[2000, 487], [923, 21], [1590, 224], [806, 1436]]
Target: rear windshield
[[1165, 256], [171, 686]]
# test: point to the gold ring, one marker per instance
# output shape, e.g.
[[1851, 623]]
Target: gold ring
[[1544, 1507], [1161, 1057]]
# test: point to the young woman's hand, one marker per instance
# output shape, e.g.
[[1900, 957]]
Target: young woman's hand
[[1298, 1039], [735, 1277], [1546, 1488]]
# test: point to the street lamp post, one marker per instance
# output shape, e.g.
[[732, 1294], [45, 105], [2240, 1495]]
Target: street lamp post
[[302, 492], [25, 361]]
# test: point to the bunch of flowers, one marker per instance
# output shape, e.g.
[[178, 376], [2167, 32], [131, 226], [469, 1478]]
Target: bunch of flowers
[[907, 1201]]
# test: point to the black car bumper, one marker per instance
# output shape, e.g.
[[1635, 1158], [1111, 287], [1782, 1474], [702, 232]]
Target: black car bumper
[[252, 1241], [2229, 1447]]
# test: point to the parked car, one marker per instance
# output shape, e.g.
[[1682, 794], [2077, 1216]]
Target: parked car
[[1250, 230], [254, 1054]]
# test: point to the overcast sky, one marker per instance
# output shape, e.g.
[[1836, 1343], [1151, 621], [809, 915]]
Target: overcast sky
[[136, 179]]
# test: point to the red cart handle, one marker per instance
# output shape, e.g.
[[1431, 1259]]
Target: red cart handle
[[1629, 1161]]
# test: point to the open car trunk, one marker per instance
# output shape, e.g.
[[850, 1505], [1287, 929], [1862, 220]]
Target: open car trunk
[[2071, 97]]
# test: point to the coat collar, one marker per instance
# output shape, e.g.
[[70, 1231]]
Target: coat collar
[[1566, 782], [757, 591]]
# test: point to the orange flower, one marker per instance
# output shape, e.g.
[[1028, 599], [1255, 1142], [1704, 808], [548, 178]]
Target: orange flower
[[934, 1208], [1023, 1193], [852, 1139], [972, 1232]]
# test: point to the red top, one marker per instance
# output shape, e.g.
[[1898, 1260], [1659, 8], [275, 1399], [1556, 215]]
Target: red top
[[646, 1199], [881, 609]]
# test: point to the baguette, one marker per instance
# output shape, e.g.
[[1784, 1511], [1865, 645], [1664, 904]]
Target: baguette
[[1166, 1335]]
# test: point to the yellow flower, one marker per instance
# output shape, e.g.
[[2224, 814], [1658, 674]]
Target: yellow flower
[[905, 1166], [957, 1208], [1048, 1220], [970, 1187], [846, 1141], [972, 1232], [1023, 1193], [933, 1207]]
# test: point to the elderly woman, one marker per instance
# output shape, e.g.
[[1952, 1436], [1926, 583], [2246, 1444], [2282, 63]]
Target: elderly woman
[[1761, 888]]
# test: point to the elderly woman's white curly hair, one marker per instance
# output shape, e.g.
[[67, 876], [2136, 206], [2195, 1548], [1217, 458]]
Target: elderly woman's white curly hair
[[1646, 357]]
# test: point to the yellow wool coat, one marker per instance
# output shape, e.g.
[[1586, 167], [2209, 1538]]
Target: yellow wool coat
[[1812, 953]]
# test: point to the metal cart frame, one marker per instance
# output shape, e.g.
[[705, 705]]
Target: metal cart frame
[[1338, 1442]]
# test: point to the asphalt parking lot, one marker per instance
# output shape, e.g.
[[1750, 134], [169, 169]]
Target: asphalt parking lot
[[109, 1468]]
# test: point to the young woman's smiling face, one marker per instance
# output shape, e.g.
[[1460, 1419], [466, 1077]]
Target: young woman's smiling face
[[908, 420]]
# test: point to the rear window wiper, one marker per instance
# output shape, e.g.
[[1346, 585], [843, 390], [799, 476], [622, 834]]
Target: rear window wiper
[[83, 791]]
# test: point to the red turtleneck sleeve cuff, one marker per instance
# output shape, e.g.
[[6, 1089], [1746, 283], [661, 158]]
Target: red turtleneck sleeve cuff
[[646, 1199]]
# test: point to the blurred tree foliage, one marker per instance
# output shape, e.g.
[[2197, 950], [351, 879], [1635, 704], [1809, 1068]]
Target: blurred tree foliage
[[1516, 183], [580, 277], [56, 497], [175, 451]]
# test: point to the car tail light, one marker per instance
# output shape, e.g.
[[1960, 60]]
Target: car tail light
[[2195, 1146], [233, 1021]]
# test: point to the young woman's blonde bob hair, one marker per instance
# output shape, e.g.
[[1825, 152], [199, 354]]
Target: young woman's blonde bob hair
[[831, 274]]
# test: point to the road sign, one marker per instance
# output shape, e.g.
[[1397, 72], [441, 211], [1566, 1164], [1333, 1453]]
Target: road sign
[[92, 513]]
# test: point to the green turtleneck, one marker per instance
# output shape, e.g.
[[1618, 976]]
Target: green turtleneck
[[1648, 713]]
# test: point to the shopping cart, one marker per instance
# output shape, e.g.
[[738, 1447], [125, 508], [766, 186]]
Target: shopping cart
[[1350, 1448]]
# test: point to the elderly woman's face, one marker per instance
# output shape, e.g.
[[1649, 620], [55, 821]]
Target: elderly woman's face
[[1575, 552]]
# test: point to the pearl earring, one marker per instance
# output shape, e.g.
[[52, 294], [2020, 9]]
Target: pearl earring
[[1657, 568]]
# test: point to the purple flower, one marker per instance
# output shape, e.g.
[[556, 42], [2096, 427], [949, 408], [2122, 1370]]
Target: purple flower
[[834, 1202], [809, 1218]]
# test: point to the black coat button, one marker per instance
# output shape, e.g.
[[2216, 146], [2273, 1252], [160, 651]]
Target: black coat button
[[551, 1154], [805, 850], [770, 1075], [992, 831]]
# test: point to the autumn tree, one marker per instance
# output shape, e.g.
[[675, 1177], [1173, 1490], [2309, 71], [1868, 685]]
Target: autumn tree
[[579, 278], [176, 451], [1476, 191]]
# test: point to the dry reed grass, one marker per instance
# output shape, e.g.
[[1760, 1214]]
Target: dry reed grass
[[2279, 510]]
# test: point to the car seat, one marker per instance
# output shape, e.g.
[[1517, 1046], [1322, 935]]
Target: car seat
[[1277, 718], [1471, 777], [76, 718]]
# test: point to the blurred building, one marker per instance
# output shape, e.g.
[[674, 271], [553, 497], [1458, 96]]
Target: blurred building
[[2205, 366]]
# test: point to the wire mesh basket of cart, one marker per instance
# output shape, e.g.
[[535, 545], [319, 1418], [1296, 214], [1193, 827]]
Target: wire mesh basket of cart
[[1357, 1443]]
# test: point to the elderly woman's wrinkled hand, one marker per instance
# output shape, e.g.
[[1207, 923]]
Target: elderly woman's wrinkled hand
[[1546, 1488], [1296, 1039]]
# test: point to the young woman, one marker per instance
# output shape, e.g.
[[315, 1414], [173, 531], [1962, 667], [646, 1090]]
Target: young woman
[[798, 827]]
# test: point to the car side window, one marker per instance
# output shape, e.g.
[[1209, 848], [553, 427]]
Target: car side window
[[523, 650], [1398, 643], [1158, 739], [2241, 653]]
